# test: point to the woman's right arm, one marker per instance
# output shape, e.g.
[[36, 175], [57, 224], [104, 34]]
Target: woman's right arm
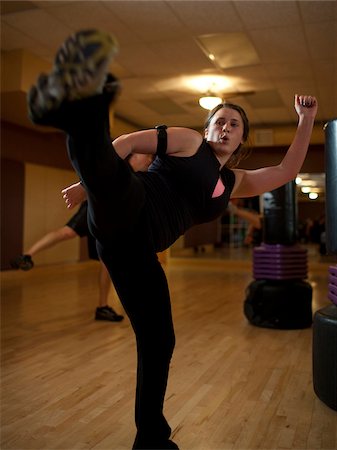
[[249, 183], [180, 141]]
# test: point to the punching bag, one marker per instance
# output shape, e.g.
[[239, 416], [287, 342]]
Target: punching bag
[[279, 297], [331, 185], [280, 215], [324, 350]]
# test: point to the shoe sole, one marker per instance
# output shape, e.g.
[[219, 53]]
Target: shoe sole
[[22, 265], [80, 70], [108, 320], [26, 267]]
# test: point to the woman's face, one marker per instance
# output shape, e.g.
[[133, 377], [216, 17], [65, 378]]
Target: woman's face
[[225, 130]]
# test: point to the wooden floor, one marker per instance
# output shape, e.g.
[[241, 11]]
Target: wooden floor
[[68, 381]]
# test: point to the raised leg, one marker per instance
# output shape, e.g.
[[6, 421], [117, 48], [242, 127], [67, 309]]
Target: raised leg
[[75, 97], [71, 99]]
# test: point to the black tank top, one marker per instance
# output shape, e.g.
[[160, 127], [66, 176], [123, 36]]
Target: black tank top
[[185, 191]]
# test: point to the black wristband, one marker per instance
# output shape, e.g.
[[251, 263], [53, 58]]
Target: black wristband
[[162, 140]]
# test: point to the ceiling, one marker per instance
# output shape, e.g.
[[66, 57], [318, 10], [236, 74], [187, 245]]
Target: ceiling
[[263, 53]]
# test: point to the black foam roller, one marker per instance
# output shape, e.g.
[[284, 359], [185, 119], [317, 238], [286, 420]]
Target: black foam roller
[[331, 185], [325, 355], [280, 304], [280, 215]]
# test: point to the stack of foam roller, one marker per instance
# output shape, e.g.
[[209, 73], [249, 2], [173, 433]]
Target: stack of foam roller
[[280, 262], [333, 284]]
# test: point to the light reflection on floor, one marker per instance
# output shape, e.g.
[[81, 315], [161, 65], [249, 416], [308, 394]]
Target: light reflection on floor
[[244, 253], [241, 258]]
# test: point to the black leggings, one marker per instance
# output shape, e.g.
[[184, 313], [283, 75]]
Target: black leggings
[[117, 218]]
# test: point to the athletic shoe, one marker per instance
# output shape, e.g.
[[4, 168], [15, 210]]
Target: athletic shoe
[[23, 262], [107, 313], [80, 71]]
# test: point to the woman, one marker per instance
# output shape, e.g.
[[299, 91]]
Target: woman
[[133, 216], [77, 226]]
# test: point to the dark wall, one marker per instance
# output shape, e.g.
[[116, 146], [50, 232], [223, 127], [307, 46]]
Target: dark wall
[[29, 146], [22, 145], [12, 204], [49, 148], [311, 210], [267, 156], [19, 146]]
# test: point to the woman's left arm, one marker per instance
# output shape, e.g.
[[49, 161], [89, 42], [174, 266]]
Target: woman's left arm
[[249, 183], [74, 195], [180, 141]]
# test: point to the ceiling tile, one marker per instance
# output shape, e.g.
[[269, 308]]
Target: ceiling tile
[[265, 99], [88, 13], [50, 31], [221, 14], [141, 60], [252, 78], [9, 7], [274, 115], [289, 72], [325, 73], [76, 18], [163, 106], [284, 44], [229, 49], [268, 14], [184, 52], [149, 20], [318, 11], [47, 4], [138, 87], [322, 39]]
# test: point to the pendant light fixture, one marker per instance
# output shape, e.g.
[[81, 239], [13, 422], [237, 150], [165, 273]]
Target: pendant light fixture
[[209, 101]]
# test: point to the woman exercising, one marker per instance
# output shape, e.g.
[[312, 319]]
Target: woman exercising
[[134, 215]]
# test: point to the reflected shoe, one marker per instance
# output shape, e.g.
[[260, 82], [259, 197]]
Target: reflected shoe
[[80, 71], [107, 313], [23, 262], [172, 445], [167, 445]]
